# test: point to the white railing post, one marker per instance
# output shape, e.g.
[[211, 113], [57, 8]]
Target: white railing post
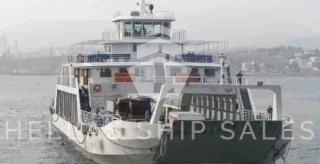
[[158, 106], [78, 103]]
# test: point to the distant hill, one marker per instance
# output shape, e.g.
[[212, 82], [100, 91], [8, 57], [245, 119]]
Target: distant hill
[[307, 42], [41, 34], [239, 31]]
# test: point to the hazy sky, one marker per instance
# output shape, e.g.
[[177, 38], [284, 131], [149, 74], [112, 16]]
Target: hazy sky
[[247, 22]]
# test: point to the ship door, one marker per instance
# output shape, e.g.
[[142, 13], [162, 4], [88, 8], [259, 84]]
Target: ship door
[[84, 76], [77, 74]]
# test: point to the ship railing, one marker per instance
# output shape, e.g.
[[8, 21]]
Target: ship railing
[[259, 80], [204, 80], [194, 80], [111, 60], [172, 100], [168, 79], [251, 81], [164, 13], [85, 59], [133, 79], [98, 120], [159, 13], [236, 81], [255, 115], [207, 58]]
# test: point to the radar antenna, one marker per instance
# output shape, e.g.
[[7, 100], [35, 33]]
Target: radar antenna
[[145, 6]]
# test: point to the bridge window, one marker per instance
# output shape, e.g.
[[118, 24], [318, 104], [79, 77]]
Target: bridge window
[[128, 29], [147, 29], [157, 29], [137, 27], [105, 72], [166, 29]]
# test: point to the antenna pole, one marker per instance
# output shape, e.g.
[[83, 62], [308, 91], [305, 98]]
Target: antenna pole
[[222, 62], [143, 6]]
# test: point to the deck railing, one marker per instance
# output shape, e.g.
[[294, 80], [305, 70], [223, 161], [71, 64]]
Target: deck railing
[[168, 79], [205, 80], [103, 58], [255, 115], [251, 81], [160, 13], [258, 81], [126, 57], [193, 58]]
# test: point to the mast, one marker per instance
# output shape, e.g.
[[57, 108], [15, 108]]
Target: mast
[[222, 65], [143, 7], [223, 59]]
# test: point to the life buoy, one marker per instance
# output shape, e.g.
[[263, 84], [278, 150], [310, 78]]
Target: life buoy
[[97, 88]]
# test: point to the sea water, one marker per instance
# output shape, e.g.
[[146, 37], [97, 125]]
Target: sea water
[[24, 102]]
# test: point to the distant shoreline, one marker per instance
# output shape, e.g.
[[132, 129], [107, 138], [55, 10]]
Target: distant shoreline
[[283, 75], [248, 75], [29, 75]]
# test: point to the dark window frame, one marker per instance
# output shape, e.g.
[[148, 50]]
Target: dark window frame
[[128, 29], [137, 28], [134, 47], [209, 72], [105, 72]]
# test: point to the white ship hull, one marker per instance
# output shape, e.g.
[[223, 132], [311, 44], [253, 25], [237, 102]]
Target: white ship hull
[[102, 149]]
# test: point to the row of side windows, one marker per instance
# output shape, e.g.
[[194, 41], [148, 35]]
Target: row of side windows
[[149, 29], [106, 72]]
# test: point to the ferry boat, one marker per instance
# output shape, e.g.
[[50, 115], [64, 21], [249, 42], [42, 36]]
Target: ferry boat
[[152, 96]]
